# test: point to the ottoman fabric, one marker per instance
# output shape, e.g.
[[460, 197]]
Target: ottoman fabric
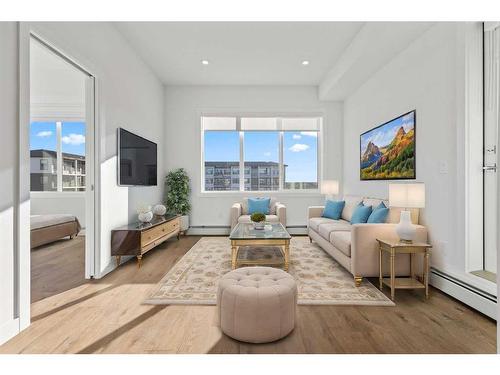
[[257, 304]]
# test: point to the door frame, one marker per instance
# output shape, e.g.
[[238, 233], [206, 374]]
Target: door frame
[[93, 151]]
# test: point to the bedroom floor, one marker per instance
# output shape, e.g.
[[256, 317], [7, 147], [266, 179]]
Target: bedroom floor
[[107, 316], [57, 267]]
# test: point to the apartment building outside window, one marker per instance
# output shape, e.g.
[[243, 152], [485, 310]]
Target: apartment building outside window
[[51, 141], [274, 153]]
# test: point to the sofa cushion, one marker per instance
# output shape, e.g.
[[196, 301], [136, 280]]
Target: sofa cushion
[[337, 225], [270, 218], [315, 222], [342, 241], [272, 206], [351, 202], [379, 214]]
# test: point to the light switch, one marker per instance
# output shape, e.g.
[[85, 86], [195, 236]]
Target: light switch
[[443, 167]]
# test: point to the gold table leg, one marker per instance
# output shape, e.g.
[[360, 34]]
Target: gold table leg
[[426, 273], [139, 261], [118, 260], [393, 274], [380, 274], [287, 257], [234, 256]]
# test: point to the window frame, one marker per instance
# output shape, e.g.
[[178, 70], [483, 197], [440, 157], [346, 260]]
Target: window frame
[[279, 117]]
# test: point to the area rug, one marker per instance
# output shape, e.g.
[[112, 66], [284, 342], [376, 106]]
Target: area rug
[[320, 279]]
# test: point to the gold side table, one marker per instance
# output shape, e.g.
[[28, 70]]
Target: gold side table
[[393, 247]]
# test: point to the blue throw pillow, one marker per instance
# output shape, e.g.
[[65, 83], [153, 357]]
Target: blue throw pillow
[[333, 209], [379, 214], [361, 214], [259, 205]]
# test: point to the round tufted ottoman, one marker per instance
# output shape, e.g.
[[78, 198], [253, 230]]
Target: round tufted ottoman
[[257, 304]]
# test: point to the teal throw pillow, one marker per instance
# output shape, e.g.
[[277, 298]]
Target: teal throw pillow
[[259, 205], [333, 209], [379, 214], [361, 214]]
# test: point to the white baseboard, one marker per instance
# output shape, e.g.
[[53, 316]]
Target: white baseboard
[[8, 330], [478, 300]]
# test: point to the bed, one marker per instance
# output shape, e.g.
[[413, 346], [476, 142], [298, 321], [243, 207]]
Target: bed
[[49, 228]]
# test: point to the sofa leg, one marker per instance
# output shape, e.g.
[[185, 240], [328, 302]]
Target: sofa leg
[[358, 280]]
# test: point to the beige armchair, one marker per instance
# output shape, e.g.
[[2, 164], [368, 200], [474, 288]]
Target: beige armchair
[[239, 213]]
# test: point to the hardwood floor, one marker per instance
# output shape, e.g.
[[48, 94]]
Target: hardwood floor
[[106, 316]]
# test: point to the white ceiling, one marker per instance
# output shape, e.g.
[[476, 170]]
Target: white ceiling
[[240, 53]]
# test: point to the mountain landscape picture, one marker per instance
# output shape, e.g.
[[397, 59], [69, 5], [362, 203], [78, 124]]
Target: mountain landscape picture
[[388, 151]]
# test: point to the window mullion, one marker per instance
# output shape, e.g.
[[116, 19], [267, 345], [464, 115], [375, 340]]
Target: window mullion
[[242, 162], [59, 159]]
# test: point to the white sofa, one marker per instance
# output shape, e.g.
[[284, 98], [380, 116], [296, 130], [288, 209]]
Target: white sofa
[[354, 246], [239, 213]]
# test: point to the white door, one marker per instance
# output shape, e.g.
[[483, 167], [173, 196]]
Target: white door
[[491, 120]]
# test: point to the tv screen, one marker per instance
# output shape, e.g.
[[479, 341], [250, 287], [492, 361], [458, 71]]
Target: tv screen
[[138, 160]]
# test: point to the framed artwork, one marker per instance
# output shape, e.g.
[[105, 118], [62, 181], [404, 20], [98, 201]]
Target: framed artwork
[[387, 152]]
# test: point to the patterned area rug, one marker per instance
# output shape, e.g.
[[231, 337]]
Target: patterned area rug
[[320, 279]]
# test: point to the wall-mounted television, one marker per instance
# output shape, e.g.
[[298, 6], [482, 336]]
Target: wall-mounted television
[[137, 158]]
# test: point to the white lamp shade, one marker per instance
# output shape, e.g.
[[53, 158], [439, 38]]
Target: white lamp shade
[[330, 187], [407, 195]]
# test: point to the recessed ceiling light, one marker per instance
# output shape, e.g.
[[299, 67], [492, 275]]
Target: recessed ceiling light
[[305, 62], [204, 62]]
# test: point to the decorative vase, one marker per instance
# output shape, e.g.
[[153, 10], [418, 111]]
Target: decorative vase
[[405, 229], [145, 217], [259, 225], [184, 223], [159, 210]]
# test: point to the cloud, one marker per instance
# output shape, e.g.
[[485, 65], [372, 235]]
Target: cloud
[[267, 154], [44, 133], [73, 139], [310, 134], [296, 136], [299, 147]]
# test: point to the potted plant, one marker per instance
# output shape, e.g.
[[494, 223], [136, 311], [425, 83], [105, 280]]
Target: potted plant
[[177, 195], [258, 220]]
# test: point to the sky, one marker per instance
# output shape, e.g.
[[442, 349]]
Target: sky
[[43, 136], [384, 135], [300, 150]]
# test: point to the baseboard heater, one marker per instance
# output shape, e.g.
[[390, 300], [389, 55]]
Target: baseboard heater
[[478, 299], [225, 229]]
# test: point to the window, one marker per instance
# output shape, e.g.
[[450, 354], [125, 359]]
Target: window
[[275, 154], [57, 152]]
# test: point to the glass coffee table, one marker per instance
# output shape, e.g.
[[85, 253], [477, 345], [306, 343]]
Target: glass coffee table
[[244, 235]]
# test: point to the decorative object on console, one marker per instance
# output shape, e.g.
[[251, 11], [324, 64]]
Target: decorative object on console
[[387, 152], [159, 210], [258, 220], [406, 196], [144, 214], [177, 192], [329, 188]]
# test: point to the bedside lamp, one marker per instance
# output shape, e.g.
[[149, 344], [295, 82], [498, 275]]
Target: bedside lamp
[[406, 196], [330, 188]]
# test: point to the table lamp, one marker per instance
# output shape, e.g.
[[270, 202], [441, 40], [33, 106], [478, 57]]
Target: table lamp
[[330, 188], [406, 196]]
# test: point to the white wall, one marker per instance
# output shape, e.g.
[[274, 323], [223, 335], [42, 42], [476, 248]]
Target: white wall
[[429, 77], [72, 203], [129, 96], [8, 173], [183, 108]]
